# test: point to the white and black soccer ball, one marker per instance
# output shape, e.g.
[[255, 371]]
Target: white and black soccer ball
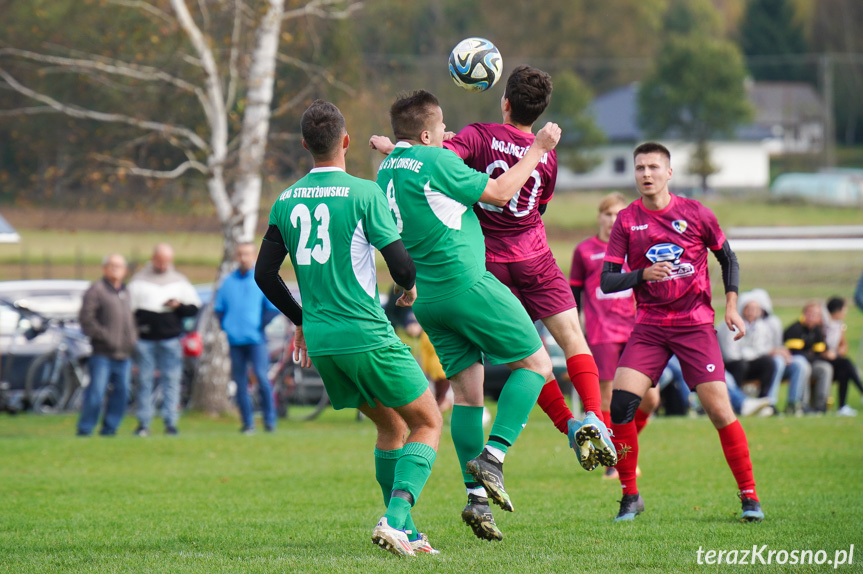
[[475, 64]]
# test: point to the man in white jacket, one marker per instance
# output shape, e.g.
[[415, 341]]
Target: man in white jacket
[[761, 355], [161, 298]]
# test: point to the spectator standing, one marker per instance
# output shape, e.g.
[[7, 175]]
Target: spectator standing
[[106, 318], [806, 338], [844, 370], [243, 312], [161, 298]]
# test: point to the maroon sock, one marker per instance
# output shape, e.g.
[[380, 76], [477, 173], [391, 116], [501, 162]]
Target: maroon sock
[[554, 405], [606, 418], [626, 443], [736, 450], [585, 378], [640, 419]]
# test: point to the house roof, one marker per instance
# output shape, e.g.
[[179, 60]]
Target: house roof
[[616, 112], [784, 102]]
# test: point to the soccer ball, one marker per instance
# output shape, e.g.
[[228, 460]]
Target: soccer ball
[[475, 64]]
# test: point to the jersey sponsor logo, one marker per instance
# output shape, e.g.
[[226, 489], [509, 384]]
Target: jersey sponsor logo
[[639, 227], [670, 252], [679, 225], [625, 294], [596, 256]]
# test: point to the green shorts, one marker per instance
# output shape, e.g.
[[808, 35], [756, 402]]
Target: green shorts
[[485, 319], [389, 374]]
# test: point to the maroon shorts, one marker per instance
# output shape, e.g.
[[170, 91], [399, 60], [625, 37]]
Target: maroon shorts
[[538, 283], [606, 356], [650, 347]]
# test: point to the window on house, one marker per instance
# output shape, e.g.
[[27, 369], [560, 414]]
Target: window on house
[[620, 165]]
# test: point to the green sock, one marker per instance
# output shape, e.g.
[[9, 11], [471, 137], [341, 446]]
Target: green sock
[[397, 512], [516, 400], [385, 469], [467, 435], [411, 473]]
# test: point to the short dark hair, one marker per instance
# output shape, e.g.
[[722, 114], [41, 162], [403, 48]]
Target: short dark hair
[[651, 147], [323, 126], [410, 114], [835, 304], [529, 92]]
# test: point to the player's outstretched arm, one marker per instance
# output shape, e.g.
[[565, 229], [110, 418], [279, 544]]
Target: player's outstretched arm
[[382, 143], [499, 191]]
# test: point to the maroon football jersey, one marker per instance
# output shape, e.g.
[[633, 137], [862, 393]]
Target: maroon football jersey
[[514, 232], [608, 317], [682, 233]]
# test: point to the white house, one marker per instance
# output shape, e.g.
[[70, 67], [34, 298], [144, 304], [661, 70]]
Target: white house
[[785, 121]]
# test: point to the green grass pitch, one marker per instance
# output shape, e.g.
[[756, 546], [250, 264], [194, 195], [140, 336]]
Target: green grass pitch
[[304, 499]]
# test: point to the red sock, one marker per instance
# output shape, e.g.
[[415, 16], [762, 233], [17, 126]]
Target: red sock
[[626, 443], [640, 419], [554, 405], [606, 418], [736, 450], [585, 378]]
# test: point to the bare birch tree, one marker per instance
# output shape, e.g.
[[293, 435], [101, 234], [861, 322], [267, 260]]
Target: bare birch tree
[[230, 162]]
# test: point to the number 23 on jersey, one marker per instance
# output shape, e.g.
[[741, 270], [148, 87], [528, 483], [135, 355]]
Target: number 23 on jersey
[[301, 219]]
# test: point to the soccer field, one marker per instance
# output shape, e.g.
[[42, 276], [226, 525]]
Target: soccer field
[[304, 499]]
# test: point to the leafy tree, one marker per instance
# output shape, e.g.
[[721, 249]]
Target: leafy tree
[[205, 106], [569, 108], [836, 33], [695, 92], [693, 18], [769, 29]]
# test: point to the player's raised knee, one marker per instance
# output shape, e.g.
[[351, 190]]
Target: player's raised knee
[[623, 406]]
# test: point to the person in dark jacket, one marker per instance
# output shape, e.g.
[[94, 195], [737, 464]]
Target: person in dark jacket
[[161, 298], [106, 318], [806, 337]]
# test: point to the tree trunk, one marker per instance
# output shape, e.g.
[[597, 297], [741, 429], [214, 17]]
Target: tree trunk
[[256, 119], [239, 215]]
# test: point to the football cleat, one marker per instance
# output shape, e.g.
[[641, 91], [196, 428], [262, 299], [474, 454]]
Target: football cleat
[[488, 471], [422, 546], [584, 451], [751, 509], [477, 515], [631, 505], [392, 539], [593, 431]]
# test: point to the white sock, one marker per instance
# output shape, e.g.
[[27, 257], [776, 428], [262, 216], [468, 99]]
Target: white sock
[[479, 491], [495, 452]]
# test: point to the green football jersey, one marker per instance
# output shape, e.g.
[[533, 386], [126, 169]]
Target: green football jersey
[[431, 193], [331, 222]]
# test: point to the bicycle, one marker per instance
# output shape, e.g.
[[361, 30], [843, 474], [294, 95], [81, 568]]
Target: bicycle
[[294, 386], [56, 380]]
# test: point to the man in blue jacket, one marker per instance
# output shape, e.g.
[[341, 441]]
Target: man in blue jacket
[[243, 313]]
